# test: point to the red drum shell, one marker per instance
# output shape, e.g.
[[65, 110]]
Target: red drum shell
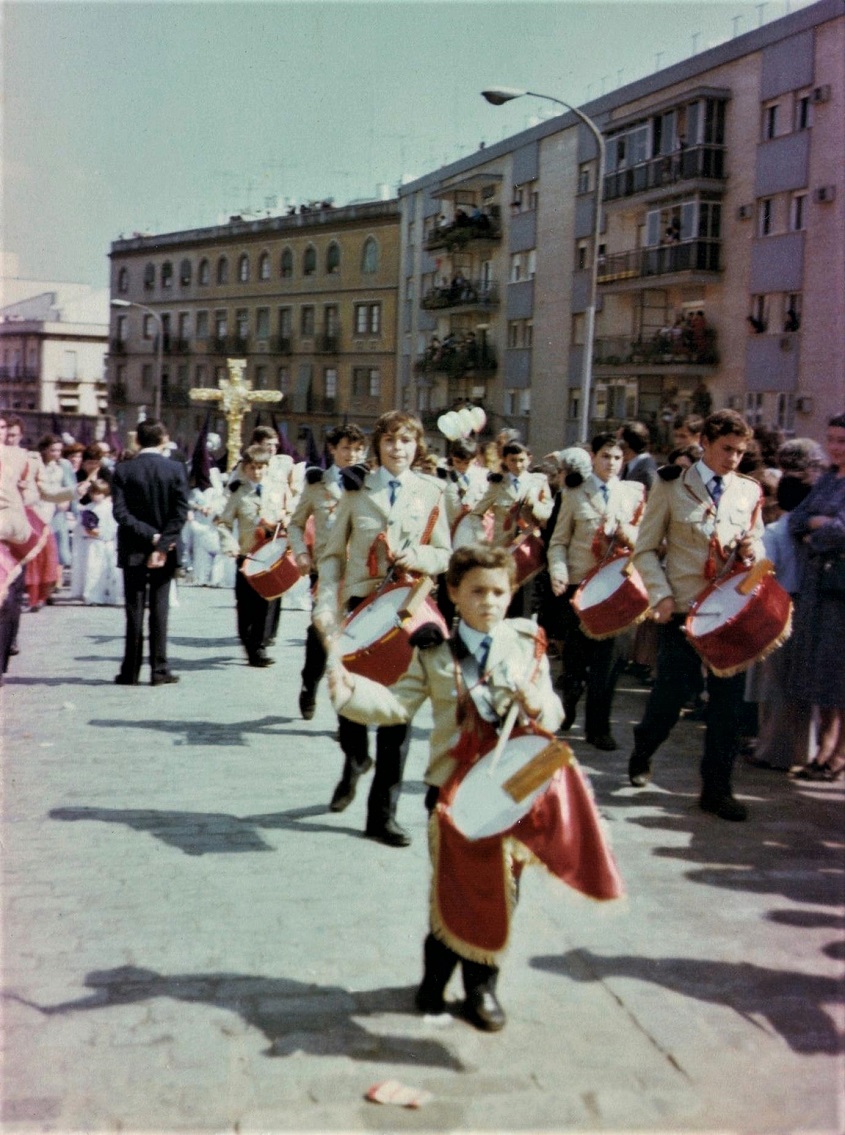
[[381, 647], [271, 570], [748, 626], [29, 548], [529, 552], [611, 598]]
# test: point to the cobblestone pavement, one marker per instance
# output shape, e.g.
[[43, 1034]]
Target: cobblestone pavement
[[192, 942]]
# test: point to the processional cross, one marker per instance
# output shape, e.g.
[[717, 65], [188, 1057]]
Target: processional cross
[[236, 396]]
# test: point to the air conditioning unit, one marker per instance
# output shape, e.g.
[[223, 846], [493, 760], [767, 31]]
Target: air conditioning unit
[[744, 212], [820, 94], [824, 194], [804, 405]]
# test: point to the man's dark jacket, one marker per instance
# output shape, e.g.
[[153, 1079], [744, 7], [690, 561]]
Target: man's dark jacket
[[150, 495]]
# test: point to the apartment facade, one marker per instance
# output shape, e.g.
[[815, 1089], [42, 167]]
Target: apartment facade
[[309, 299], [721, 258]]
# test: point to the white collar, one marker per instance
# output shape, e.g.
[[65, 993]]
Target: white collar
[[599, 484], [384, 477], [707, 474], [471, 638]]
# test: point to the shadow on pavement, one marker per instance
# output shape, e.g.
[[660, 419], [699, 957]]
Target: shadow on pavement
[[791, 1002], [295, 1017], [183, 665], [8, 680], [215, 732]]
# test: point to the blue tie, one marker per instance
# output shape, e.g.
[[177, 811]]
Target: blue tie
[[605, 492], [394, 489], [258, 490], [516, 483], [716, 488], [483, 652]]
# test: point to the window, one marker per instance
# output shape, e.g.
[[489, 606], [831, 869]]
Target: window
[[69, 365], [578, 329], [166, 274], [531, 263], [802, 112], [283, 379], [369, 257], [306, 325], [581, 253], [123, 281], [798, 212], [184, 325], [261, 378], [765, 216], [221, 324], [367, 318], [517, 267], [366, 382], [243, 269], [585, 177], [147, 327], [264, 266], [528, 332], [770, 121], [331, 319], [423, 398], [242, 323], [147, 376], [185, 273], [309, 261], [202, 324], [513, 333], [200, 374], [149, 277], [120, 329], [754, 408], [203, 273], [285, 323], [222, 270], [333, 258], [792, 312], [262, 323], [287, 264], [330, 382]]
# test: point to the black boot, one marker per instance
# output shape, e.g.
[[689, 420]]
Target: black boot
[[438, 966], [344, 792], [482, 1008]]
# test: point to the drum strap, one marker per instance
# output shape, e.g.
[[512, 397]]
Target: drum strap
[[381, 541], [465, 510]]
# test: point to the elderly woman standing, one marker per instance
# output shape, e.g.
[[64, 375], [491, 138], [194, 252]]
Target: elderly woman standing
[[818, 673]]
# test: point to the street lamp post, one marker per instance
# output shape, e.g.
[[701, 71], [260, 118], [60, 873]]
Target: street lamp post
[[497, 97], [159, 348]]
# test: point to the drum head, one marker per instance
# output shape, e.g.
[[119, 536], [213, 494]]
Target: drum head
[[467, 531], [266, 556], [722, 605], [604, 583], [481, 807], [372, 621]]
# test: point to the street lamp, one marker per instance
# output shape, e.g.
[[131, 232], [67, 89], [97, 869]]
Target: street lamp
[[159, 347], [497, 97]]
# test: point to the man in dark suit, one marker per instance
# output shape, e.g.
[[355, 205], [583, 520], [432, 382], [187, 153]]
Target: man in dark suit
[[639, 464], [150, 495]]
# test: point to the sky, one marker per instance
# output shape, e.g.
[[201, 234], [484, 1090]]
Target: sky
[[161, 116]]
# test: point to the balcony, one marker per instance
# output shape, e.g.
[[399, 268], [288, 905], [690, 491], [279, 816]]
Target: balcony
[[174, 395], [327, 344], [661, 260], [457, 360], [281, 345], [461, 233], [685, 348], [117, 346], [472, 295], [705, 162], [218, 345], [321, 405], [117, 393]]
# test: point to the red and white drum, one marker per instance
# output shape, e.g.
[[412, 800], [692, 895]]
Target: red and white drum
[[489, 801], [374, 638], [271, 569], [740, 619], [611, 598], [468, 530], [530, 554]]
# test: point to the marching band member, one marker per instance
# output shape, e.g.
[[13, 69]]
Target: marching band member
[[320, 496], [597, 516], [472, 681], [466, 484], [394, 520], [703, 514]]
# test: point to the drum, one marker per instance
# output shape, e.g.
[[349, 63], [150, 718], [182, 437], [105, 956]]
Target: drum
[[39, 533], [468, 530], [374, 638], [611, 598], [271, 569], [530, 554], [489, 801], [740, 619]]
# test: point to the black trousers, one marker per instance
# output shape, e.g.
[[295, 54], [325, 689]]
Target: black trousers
[[10, 617], [146, 587], [678, 673], [392, 742], [315, 654], [256, 616], [589, 664]]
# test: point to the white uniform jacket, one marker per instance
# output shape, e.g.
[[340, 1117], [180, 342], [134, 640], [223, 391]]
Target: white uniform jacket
[[582, 515]]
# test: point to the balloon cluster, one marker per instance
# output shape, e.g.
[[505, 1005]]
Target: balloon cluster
[[461, 423]]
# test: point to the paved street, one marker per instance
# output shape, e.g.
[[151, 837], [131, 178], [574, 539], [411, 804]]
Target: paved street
[[192, 942]]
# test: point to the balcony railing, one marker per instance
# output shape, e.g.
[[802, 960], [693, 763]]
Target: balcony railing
[[218, 345], [327, 344], [281, 345], [706, 161], [661, 260], [457, 360], [462, 293], [684, 345], [460, 233]]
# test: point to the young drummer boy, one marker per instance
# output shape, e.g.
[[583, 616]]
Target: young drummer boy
[[472, 680]]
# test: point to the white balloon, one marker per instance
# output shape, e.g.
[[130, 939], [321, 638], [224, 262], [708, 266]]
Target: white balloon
[[443, 425], [479, 418], [453, 426], [465, 419]]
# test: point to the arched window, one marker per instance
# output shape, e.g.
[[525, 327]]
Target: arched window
[[333, 258], [166, 274], [123, 280], [309, 261], [369, 257], [264, 266], [287, 264], [185, 273], [222, 270], [149, 276], [243, 269], [203, 272]]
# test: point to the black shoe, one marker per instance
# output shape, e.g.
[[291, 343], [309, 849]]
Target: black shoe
[[439, 963], [14, 649], [122, 680], [388, 832], [307, 703], [639, 770], [164, 679], [723, 805], [343, 794], [483, 1010], [260, 660], [604, 741], [570, 710]]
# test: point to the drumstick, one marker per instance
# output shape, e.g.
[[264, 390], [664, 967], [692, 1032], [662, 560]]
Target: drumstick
[[504, 737]]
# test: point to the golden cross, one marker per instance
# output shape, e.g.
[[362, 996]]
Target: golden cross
[[235, 395]]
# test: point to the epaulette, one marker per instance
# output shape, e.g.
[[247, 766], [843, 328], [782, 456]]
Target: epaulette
[[453, 476], [352, 477], [495, 478], [442, 473], [530, 629], [233, 486], [426, 636], [313, 475], [670, 472], [573, 480]]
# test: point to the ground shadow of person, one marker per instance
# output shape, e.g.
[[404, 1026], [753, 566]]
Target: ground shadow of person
[[205, 733], [317, 1019], [792, 1002]]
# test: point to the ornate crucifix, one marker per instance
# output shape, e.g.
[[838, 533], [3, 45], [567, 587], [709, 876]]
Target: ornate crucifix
[[236, 397]]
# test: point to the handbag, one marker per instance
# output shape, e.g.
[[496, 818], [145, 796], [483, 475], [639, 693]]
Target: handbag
[[832, 577]]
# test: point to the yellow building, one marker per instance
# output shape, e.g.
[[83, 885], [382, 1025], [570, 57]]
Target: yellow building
[[309, 299]]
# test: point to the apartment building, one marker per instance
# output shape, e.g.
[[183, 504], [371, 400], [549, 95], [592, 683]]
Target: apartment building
[[309, 299], [721, 258]]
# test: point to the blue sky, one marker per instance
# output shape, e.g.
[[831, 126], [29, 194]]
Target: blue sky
[[161, 116]]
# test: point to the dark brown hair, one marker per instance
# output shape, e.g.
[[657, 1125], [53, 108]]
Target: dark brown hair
[[472, 556]]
